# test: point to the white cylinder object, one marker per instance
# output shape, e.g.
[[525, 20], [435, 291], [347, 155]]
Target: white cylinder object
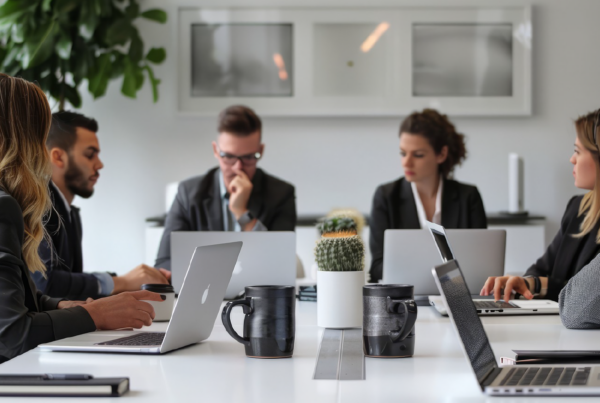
[[515, 198], [339, 299]]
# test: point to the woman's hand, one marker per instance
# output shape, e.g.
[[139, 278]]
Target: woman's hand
[[70, 304], [124, 310], [508, 283]]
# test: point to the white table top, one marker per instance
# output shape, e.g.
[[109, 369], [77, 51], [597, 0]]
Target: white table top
[[217, 370]]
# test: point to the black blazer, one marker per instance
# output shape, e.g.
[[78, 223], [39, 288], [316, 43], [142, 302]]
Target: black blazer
[[394, 208], [62, 255], [28, 318], [198, 207], [566, 255]]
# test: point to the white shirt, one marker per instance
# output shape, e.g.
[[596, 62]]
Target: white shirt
[[64, 199], [437, 215]]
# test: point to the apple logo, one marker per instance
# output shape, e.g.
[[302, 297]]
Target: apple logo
[[205, 295]]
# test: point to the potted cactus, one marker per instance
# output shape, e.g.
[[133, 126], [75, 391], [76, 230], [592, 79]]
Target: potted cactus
[[340, 256]]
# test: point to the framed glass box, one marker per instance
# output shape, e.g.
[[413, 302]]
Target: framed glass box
[[464, 61]]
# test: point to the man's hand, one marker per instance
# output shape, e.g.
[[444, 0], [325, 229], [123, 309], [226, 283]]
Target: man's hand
[[508, 283], [142, 274], [240, 188], [70, 304], [123, 310]]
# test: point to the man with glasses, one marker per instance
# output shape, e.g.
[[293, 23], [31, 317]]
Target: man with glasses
[[236, 195]]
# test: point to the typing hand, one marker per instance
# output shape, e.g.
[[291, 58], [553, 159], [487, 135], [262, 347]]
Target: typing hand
[[508, 283], [70, 304], [240, 188], [142, 274], [123, 310]]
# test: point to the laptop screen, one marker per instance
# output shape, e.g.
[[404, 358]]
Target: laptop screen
[[442, 244], [464, 316]]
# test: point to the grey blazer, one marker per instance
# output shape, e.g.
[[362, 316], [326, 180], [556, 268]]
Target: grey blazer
[[197, 207], [27, 317], [579, 300]]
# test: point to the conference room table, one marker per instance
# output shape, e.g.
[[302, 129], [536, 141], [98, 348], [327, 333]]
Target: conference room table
[[217, 369]]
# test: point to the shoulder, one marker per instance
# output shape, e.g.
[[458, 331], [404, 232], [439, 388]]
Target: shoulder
[[387, 189], [11, 223], [464, 190], [572, 210], [9, 207], [197, 183], [274, 183]]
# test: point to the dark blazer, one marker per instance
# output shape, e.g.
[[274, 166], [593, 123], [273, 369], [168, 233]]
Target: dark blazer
[[394, 208], [198, 207], [62, 255], [28, 318], [566, 255]]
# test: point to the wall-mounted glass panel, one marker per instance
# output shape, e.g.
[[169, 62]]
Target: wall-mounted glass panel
[[462, 60], [350, 59], [242, 60]]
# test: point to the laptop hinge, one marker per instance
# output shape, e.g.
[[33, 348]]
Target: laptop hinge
[[490, 377]]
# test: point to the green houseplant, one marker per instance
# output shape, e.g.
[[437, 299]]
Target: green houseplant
[[340, 256], [61, 43]]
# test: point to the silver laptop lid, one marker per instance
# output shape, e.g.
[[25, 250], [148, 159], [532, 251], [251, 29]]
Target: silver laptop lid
[[267, 257], [409, 256], [462, 312], [201, 295]]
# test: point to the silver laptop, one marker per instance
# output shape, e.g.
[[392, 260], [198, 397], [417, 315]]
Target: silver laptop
[[409, 255], [518, 380], [267, 257], [485, 306], [193, 317]]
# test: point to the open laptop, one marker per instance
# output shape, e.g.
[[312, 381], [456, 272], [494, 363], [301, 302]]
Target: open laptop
[[267, 257], [518, 380], [486, 306], [409, 256], [193, 317]]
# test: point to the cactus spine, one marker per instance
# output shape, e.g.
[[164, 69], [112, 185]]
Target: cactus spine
[[340, 248]]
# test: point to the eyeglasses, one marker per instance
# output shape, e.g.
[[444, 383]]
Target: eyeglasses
[[248, 159]]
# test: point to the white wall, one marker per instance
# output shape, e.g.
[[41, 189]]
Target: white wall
[[333, 161]]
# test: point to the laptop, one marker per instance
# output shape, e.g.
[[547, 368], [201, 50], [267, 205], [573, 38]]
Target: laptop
[[193, 317], [521, 380], [486, 306], [267, 257], [409, 256]]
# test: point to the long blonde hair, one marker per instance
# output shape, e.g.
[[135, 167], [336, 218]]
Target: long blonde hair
[[25, 119], [590, 204]]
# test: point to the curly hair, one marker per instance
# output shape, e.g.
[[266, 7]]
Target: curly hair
[[439, 132], [25, 119]]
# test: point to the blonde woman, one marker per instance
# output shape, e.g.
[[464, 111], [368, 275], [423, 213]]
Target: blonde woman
[[28, 318], [578, 238]]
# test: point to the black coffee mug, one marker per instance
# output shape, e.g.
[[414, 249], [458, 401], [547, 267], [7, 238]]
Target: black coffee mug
[[270, 322], [389, 316]]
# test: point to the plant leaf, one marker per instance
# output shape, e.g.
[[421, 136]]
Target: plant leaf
[[119, 32], [88, 20], [153, 82], [129, 80], [12, 9], [63, 47], [139, 78], [155, 14], [46, 6], [39, 47], [118, 65], [132, 11], [72, 95], [156, 55], [66, 6], [136, 47], [98, 81]]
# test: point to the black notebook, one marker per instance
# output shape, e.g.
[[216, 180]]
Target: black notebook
[[556, 356], [27, 385]]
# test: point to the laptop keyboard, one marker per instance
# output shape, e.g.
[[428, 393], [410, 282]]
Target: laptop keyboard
[[547, 376], [140, 339], [493, 305]]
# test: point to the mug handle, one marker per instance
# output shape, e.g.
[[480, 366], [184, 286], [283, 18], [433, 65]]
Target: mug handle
[[226, 318], [410, 309]]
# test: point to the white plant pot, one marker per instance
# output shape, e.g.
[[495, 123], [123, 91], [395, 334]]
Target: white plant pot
[[339, 299]]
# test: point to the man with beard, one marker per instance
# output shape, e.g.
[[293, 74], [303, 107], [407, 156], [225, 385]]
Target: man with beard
[[74, 155]]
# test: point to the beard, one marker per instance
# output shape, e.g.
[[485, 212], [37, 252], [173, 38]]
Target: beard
[[76, 181]]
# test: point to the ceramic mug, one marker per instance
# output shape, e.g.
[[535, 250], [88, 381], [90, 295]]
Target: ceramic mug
[[389, 316], [270, 322], [162, 310]]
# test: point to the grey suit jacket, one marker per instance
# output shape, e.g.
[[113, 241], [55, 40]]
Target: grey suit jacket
[[197, 207], [579, 300], [28, 318]]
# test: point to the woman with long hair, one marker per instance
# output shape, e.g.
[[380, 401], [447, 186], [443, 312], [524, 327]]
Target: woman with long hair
[[430, 149], [577, 241], [28, 318]]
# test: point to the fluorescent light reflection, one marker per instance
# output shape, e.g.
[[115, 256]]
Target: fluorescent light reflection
[[374, 37], [283, 75]]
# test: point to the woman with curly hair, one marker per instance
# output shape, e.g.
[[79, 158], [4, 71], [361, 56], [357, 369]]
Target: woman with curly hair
[[430, 149]]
